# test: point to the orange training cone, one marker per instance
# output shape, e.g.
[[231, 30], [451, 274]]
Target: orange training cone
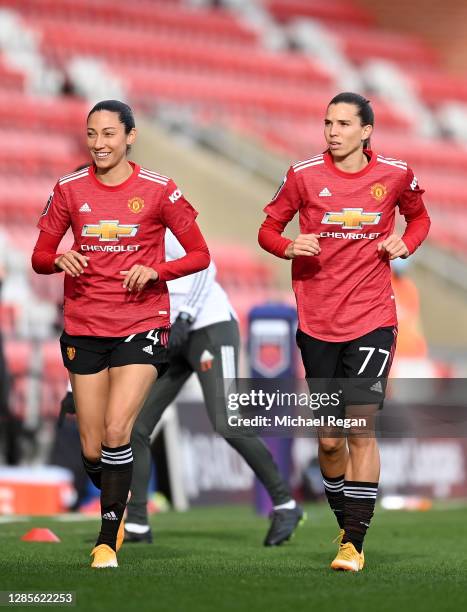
[[40, 535]]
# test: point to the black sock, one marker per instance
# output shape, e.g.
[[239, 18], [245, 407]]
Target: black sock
[[93, 470], [360, 499], [117, 468], [334, 489]]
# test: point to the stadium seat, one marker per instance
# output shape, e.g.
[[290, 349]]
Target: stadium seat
[[334, 11]]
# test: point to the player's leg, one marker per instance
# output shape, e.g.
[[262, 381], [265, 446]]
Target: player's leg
[[134, 364], [129, 386], [87, 361], [368, 358], [162, 393], [213, 353], [90, 393], [321, 362]]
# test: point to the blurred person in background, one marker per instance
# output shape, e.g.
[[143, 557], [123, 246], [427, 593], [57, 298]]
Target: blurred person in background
[[346, 199], [116, 305], [204, 339]]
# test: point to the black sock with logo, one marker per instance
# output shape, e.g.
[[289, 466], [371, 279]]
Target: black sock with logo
[[117, 469], [360, 499]]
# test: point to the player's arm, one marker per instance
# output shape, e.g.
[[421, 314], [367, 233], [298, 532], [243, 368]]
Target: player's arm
[[280, 211], [411, 205], [53, 223], [197, 255], [46, 260], [200, 283], [179, 216]]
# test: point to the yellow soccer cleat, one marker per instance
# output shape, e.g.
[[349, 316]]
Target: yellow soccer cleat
[[348, 559], [104, 556], [120, 535]]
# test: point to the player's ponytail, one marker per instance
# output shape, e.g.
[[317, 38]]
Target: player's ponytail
[[365, 112], [124, 112]]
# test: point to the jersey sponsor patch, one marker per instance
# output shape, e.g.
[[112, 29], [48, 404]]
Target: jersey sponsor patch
[[176, 195], [414, 183], [85, 208], [108, 230], [351, 218], [47, 206], [325, 193]]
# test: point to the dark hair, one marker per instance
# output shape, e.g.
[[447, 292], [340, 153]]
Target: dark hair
[[125, 114], [364, 110]]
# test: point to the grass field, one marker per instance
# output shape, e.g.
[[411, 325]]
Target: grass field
[[213, 560]]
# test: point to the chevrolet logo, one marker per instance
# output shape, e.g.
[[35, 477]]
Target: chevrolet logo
[[107, 231], [352, 218]]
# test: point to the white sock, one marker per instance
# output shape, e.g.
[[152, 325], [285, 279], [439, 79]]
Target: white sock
[[135, 528], [290, 505]]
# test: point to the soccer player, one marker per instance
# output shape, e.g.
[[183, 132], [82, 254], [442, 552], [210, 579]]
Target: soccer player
[[116, 305], [204, 338], [346, 199]]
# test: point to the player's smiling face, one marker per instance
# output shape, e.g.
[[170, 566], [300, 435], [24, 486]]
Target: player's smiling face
[[343, 130], [106, 139]]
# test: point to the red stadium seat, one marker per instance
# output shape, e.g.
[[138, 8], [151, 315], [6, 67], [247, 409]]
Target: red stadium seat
[[335, 11], [10, 79], [142, 15]]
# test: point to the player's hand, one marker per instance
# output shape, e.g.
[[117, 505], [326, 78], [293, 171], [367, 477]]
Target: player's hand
[[394, 246], [304, 244], [138, 276], [72, 263], [179, 333]]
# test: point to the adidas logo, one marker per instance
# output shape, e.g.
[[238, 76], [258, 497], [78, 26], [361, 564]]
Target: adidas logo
[[110, 516], [85, 208], [325, 193], [377, 387], [148, 349]]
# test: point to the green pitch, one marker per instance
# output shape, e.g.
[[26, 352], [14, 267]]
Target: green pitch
[[213, 560]]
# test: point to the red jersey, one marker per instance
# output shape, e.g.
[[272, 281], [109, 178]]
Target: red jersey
[[116, 227], [345, 291]]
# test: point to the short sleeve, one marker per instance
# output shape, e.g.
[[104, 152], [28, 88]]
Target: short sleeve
[[410, 199], [286, 201], [55, 218], [176, 212]]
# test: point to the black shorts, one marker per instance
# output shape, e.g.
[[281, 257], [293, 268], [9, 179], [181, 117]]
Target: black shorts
[[91, 354], [357, 369]]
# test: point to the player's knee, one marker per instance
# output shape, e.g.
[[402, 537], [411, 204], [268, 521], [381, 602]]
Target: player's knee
[[91, 449], [361, 440], [116, 434], [331, 446]]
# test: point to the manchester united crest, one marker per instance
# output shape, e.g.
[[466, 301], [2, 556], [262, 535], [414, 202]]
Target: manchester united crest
[[136, 205], [378, 191], [71, 352]]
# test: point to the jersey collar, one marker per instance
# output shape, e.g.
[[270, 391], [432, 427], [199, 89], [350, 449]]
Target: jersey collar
[[350, 175], [129, 180]]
